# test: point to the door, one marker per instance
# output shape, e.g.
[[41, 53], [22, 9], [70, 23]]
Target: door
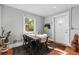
[[62, 28]]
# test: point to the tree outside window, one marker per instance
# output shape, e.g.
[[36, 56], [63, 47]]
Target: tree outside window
[[29, 24]]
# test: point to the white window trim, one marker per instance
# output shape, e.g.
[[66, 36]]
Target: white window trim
[[30, 32]]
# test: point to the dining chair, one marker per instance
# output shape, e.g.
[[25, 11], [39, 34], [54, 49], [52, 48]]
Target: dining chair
[[44, 43], [25, 39], [25, 44]]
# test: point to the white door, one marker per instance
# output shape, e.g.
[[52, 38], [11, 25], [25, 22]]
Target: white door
[[62, 28]]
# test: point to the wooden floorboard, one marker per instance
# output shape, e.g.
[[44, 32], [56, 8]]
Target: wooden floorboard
[[57, 45]]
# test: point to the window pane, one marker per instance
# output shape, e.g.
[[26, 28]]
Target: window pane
[[29, 24]]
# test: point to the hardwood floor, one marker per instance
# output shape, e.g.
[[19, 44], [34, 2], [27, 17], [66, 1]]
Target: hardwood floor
[[9, 51], [57, 45], [59, 49]]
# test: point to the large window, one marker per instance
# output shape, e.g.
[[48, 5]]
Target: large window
[[29, 24]]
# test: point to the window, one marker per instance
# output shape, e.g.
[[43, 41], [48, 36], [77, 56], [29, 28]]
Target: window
[[29, 24]]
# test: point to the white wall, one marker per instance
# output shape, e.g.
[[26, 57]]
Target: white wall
[[75, 17], [74, 21], [0, 20], [13, 21], [49, 32]]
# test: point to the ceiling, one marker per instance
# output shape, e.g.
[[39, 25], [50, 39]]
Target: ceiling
[[42, 9]]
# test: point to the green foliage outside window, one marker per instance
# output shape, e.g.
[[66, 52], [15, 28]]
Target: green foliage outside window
[[29, 24]]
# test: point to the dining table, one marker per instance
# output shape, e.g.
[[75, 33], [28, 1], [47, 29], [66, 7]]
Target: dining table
[[33, 38]]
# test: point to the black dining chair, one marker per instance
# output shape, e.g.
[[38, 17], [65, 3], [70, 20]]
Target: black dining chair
[[48, 46], [25, 44], [33, 47], [25, 39], [44, 44]]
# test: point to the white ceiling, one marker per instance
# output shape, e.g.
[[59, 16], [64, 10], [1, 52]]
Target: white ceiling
[[42, 9]]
